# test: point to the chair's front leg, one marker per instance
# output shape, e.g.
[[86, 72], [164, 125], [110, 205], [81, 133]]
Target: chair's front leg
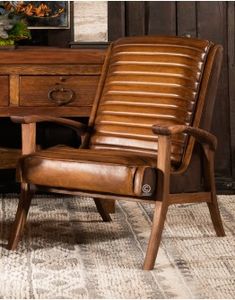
[[28, 137], [156, 234], [21, 216], [161, 206]]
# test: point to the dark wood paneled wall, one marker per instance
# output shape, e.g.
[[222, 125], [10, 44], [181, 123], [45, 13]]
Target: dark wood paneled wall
[[203, 19]]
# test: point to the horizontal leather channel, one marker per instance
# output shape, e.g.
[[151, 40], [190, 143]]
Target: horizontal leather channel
[[149, 81]]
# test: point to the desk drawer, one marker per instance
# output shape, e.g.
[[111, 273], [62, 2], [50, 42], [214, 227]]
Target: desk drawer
[[57, 90], [4, 90]]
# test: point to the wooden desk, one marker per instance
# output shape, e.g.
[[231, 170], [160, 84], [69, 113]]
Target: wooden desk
[[49, 81]]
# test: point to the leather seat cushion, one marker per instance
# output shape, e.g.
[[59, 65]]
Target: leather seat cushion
[[106, 171]]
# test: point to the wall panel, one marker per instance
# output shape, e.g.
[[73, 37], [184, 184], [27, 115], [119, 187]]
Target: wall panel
[[215, 29], [186, 19], [135, 18], [161, 12]]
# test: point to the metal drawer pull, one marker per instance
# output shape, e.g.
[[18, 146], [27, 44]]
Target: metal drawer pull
[[61, 95]]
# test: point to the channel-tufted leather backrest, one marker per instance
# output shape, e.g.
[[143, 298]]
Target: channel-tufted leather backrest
[[149, 80]]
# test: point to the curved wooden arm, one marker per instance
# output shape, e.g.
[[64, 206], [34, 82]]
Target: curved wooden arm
[[202, 136], [79, 127]]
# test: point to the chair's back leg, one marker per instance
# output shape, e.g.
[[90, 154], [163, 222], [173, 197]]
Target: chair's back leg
[[102, 210], [215, 217], [210, 185], [109, 205], [21, 216]]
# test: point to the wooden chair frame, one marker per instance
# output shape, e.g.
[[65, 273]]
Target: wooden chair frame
[[163, 198]]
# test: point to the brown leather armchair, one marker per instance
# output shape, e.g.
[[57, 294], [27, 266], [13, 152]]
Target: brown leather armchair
[[147, 138]]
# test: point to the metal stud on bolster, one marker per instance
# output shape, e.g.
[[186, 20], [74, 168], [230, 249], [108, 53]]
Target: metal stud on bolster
[[146, 189]]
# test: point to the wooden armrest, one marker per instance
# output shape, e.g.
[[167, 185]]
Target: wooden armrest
[[79, 127], [201, 135]]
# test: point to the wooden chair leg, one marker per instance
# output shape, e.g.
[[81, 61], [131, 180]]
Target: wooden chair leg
[[156, 234], [161, 206], [21, 216], [216, 217], [214, 210], [109, 206], [102, 210], [210, 183]]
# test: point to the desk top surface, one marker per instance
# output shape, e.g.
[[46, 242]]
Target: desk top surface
[[51, 55]]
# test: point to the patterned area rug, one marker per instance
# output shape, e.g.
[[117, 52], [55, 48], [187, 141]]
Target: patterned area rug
[[68, 252]]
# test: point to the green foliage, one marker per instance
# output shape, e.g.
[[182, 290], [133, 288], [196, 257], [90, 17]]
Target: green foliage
[[19, 31], [6, 42], [12, 28]]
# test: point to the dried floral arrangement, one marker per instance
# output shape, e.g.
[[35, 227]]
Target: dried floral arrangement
[[33, 9], [12, 27]]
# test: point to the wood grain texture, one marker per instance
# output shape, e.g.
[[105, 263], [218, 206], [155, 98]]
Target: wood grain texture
[[4, 88], [217, 32], [189, 198], [102, 209], [210, 185], [28, 74], [14, 90], [28, 138], [21, 216], [202, 136], [162, 203], [75, 125], [109, 206], [186, 18], [9, 158], [161, 18], [79, 111], [70, 69], [116, 20], [51, 56], [34, 90], [135, 18]]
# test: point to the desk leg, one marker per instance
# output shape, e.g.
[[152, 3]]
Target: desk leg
[[28, 138]]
